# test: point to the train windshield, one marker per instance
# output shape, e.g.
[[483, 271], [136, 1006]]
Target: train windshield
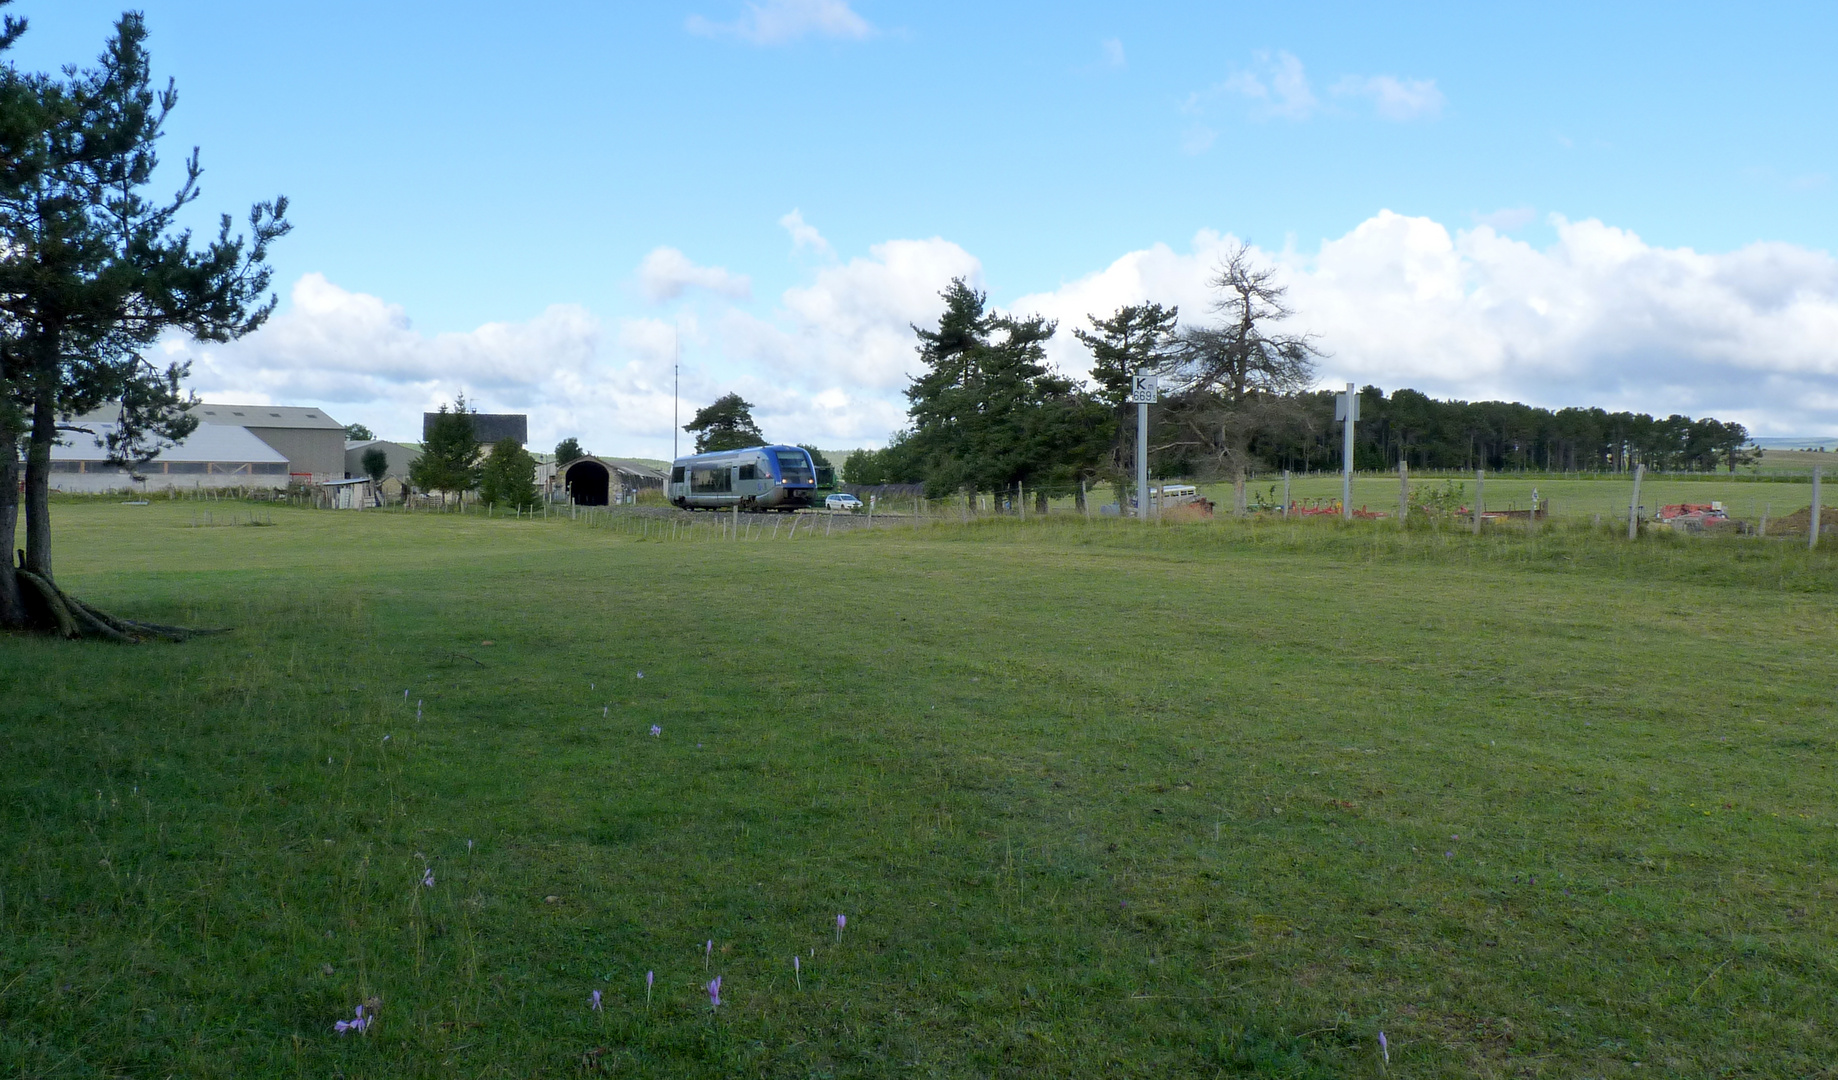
[[794, 466]]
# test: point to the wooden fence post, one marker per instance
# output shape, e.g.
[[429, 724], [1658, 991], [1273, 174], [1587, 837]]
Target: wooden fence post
[[1403, 492], [1633, 504], [1480, 498], [1812, 531]]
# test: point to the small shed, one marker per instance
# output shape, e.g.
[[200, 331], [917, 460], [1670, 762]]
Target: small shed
[[598, 481], [359, 494]]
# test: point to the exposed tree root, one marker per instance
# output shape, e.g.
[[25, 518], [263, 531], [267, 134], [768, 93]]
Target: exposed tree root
[[51, 608]]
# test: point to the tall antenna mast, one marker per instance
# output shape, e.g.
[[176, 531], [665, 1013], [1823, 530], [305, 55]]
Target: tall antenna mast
[[676, 382]]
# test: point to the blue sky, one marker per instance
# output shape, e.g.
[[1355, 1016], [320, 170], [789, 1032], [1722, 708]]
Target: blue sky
[[477, 192]]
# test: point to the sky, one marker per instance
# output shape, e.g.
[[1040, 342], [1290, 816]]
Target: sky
[[544, 206]]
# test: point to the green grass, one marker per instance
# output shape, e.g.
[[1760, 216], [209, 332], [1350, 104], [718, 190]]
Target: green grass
[[1098, 800]]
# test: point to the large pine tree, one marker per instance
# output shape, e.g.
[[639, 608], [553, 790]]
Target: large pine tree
[[92, 272]]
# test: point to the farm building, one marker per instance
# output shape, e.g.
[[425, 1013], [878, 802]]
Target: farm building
[[313, 443], [597, 481], [214, 456], [399, 455]]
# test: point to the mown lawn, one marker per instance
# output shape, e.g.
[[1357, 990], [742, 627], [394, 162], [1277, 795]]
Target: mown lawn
[[1096, 800]]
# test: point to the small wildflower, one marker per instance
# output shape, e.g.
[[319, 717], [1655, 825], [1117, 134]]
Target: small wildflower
[[714, 992], [841, 921], [360, 1024], [650, 976], [385, 738], [468, 847], [1385, 1047], [708, 953], [796, 971], [427, 879], [641, 674], [594, 1002], [656, 731]]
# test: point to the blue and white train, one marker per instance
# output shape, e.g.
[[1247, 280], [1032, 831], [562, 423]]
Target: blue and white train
[[756, 478]]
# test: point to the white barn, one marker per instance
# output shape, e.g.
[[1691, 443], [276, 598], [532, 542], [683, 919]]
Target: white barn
[[213, 456]]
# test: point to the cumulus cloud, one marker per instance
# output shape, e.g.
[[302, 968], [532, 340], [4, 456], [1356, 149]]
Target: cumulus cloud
[[1599, 317], [667, 274], [775, 22], [1394, 98]]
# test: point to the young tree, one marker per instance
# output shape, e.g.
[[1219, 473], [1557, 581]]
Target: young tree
[[508, 477], [92, 273], [376, 465], [726, 424], [1138, 337], [449, 460], [569, 449], [358, 433]]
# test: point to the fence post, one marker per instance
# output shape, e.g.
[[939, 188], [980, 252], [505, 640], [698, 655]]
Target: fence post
[[1285, 494], [1403, 492], [1812, 531], [1765, 507], [1633, 504], [1480, 498], [736, 521]]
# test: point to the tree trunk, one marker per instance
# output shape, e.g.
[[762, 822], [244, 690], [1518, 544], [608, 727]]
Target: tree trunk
[[12, 606], [1238, 506], [1040, 501], [38, 485]]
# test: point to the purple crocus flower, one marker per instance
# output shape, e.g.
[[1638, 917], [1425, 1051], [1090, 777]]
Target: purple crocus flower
[[708, 953], [360, 1024], [594, 1002], [649, 977], [841, 921], [641, 674], [714, 992], [797, 972], [1385, 1048], [656, 731], [427, 879]]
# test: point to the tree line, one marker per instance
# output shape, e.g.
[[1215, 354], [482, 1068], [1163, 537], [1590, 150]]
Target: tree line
[[987, 413]]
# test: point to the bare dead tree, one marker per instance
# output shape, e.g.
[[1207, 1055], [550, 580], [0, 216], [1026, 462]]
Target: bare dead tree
[[1238, 379]]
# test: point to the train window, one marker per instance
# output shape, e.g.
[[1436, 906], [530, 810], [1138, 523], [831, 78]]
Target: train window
[[676, 475], [709, 480], [794, 466], [747, 472]]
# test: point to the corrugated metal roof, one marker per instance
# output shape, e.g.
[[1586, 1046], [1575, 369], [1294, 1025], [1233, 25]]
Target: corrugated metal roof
[[261, 416], [211, 442]]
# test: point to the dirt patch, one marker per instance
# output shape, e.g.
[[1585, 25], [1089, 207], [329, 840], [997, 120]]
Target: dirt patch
[[1796, 523]]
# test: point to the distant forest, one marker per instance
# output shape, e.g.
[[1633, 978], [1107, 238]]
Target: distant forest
[[1500, 436]]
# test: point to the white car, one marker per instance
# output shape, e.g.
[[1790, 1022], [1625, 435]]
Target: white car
[[842, 500]]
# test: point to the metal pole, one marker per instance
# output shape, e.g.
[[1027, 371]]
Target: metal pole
[[1285, 494], [1633, 504], [1346, 465], [676, 383], [1142, 460], [1480, 498], [1403, 492], [1812, 533]]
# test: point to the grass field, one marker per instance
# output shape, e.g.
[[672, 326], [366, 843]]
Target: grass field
[[1097, 800]]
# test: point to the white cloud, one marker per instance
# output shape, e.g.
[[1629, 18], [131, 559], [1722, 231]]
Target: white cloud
[[1277, 86], [805, 235], [1597, 318], [775, 22], [667, 273], [1112, 49], [1394, 98]]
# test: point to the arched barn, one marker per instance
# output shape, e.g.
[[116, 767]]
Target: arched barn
[[594, 481]]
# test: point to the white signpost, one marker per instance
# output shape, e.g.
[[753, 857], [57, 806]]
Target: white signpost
[[1346, 411], [1144, 392]]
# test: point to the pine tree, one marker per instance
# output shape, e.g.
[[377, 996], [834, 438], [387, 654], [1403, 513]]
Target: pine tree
[[1137, 337], [91, 274], [449, 460], [725, 424]]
